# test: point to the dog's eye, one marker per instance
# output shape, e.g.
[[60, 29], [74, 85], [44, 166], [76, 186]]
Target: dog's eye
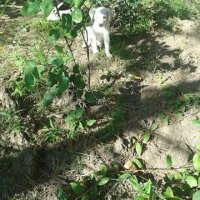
[[104, 17]]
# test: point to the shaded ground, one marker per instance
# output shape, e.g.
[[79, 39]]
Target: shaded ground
[[139, 71]]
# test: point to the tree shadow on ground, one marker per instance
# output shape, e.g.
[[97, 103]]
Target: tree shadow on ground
[[40, 164], [146, 52]]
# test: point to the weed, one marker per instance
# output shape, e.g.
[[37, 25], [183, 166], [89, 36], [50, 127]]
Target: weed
[[177, 102], [113, 126], [10, 121]]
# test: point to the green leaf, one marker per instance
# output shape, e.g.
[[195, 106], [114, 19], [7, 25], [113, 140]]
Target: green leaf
[[76, 69], [46, 7], [89, 97], [103, 181], [137, 162], [146, 137], [77, 188], [31, 8], [191, 181], [169, 193], [30, 73], [59, 49], [196, 195], [63, 83], [148, 187], [196, 161], [78, 3], [54, 34], [154, 126], [29, 80], [196, 122], [57, 62], [67, 22], [78, 81], [61, 194], [77, 16], [104, 170], [56, 91], [124, 176], [79, 112], [48, 98], [90, 122], [138, 148], [169, 161]]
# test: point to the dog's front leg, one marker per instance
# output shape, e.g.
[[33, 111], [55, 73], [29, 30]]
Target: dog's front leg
[[94, 43], [107, 43]]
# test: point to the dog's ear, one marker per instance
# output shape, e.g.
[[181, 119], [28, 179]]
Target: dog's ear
[[91, 13], [110, 14]]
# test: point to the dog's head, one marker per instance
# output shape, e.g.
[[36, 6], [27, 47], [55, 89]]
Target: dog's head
[[101, 15]]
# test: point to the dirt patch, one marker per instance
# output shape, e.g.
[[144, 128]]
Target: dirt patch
[[137, 75]]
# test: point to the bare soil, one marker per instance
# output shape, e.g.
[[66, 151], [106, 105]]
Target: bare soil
[[139, 70]]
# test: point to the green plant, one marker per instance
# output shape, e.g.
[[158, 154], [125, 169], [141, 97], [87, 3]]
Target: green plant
[[10, 121], [51, 133], [112, 128], [75, 122]]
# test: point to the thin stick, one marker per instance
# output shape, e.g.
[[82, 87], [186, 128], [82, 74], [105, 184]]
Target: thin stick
[[88, 57]]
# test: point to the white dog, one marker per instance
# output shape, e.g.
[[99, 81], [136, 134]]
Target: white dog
[[53, 16], [98, 33]]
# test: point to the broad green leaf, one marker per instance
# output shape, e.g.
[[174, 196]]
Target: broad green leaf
[[59, 49], [191, 181], [29, 80], [77, 16], [146, 137], [54, 34], [56, 91], [31, 8], [196, 195], [79, 93], [169, 161], [48, 98], [79, 112], [78, 81], [57, 62], [89, 97], [196, 161], [169, 193], [63, 83], [103, 181], [76, 69], [30, 73], [78, 3], [124, 176], [104, 170], [77, 188], [67, 22], [46, 7], [90, 122], [138, 148]]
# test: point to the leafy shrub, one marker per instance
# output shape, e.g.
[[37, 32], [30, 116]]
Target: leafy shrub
[[139, 16]]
